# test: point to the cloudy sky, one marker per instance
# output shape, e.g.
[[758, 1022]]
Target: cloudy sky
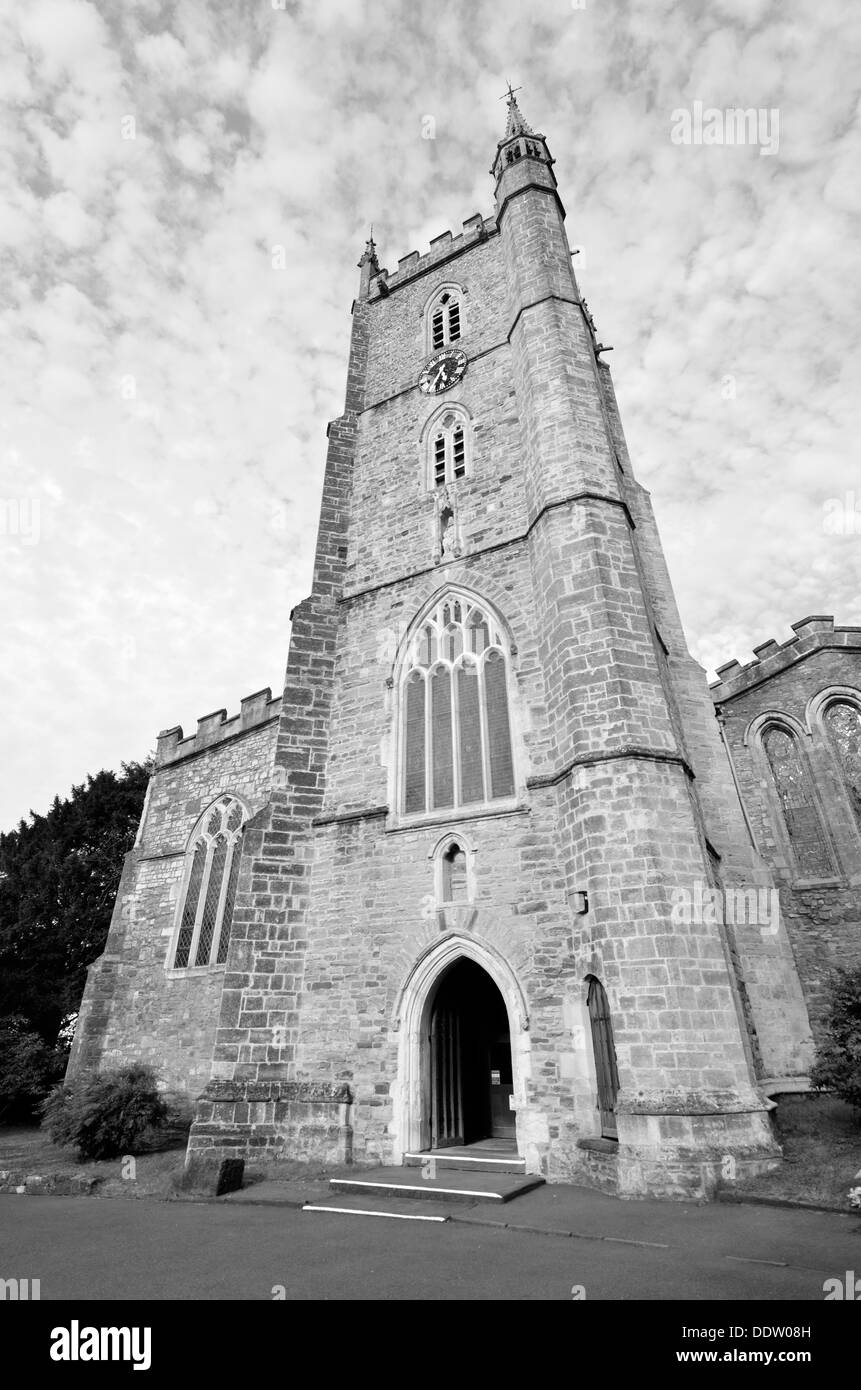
[[164, 391]]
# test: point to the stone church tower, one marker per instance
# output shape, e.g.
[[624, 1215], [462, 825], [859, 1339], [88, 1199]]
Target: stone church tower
[[430, 897]]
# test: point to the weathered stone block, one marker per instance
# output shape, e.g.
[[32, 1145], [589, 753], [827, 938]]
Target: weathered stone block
[[214, 1175]]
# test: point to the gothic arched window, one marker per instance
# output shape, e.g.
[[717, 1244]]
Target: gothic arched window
[[843, 724], [454, 883], [604, 1052], [444, 318], [447, 447], [792, 783], [212, 869], [455, 731]]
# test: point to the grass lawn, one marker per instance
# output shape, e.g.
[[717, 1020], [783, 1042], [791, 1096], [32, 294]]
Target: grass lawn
[[821, 1141], [25, 1150]]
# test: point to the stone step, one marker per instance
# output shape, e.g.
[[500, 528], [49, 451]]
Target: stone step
[[450, 1185], [442, 1160]]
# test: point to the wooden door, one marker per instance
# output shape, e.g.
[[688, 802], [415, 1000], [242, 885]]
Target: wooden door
[[501, 1089], [446, 1079], [605, 1057]]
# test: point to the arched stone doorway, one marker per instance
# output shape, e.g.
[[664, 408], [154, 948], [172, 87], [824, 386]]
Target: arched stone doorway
[[460, 1007], [469, 1057]]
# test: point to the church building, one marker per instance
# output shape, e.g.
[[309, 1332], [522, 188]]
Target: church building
[[496, 868]]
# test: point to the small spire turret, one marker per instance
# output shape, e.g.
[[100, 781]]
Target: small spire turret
[[516, 124], [368, 265], [520, 141]]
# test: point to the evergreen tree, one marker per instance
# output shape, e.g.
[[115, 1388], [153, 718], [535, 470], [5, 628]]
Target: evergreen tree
[[58, 879], [838, 1058]]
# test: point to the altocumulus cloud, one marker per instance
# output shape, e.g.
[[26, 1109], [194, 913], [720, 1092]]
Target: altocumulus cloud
[[166, 389]]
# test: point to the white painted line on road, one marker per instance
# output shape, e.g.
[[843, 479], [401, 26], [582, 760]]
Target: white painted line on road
[[748, 1260], [394, 1187], [621, 1240], [392, 1215]]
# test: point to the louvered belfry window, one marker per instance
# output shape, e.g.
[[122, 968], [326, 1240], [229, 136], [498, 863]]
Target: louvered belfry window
[[448, 450], [445, 321], [456, 732], [210, 892]]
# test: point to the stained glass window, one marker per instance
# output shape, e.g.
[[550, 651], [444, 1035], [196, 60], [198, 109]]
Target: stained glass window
[[456, 731], [800, 812], [210, 893], [843, 722]]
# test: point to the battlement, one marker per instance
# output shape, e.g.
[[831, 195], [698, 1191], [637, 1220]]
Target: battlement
[[812, 634], [215, 728], [475, 229]]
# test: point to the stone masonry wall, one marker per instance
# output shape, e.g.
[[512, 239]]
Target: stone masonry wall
[[823, 918], [768, 988], [393, 508], [136, 1008], [373, 887]]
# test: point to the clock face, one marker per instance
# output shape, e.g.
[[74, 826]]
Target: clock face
[[442, 371]]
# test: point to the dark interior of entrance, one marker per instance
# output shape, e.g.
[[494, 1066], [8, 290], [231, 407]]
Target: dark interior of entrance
[[470, 1059]]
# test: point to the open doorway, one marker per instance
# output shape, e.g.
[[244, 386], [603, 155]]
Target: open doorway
[[469, 1059]]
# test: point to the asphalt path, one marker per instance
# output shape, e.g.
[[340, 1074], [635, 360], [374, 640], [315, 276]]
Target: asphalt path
[[87, 1248]]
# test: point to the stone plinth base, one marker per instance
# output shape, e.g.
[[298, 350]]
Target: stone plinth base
[[687, 1148], [301, 1120], [598, 1165]]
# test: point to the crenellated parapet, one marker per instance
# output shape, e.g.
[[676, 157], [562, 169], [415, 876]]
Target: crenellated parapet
[[813, 634], [255, 710], [442, 248]]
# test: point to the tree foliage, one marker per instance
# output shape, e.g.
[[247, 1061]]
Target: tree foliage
[[58, 879], [28, 1069], [838, 1058]]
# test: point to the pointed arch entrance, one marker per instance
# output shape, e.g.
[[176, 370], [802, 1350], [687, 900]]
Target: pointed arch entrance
[[469, 1057], [463, 1048]]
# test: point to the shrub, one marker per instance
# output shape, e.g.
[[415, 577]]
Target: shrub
[[107, 1115], [838, 1059], [28, 1069]]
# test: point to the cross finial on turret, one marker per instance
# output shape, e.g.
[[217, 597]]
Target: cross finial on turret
[[369, 265], [515, 125], [370, 252]]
